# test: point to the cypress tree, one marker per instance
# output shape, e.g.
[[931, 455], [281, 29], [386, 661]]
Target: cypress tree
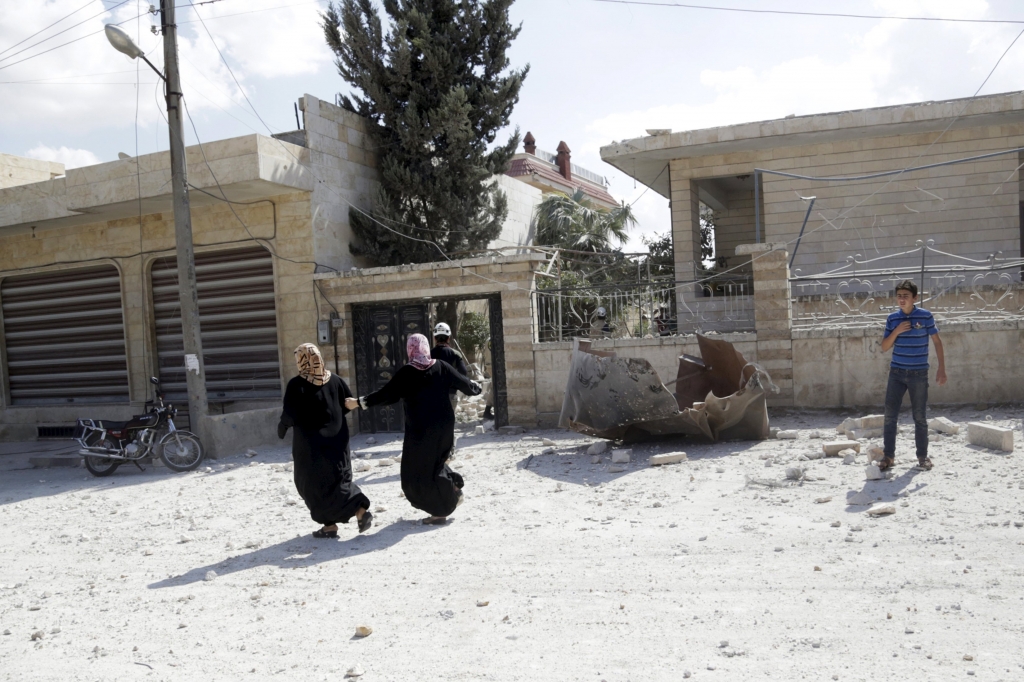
[[437, 88]]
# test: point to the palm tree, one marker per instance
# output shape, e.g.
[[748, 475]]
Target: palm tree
[[573, 222]]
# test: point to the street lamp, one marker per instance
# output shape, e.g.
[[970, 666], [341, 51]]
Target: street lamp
[[195, 372]]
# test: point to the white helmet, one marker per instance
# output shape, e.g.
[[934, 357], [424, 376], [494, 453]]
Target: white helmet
[[441, 329], [601, 312]]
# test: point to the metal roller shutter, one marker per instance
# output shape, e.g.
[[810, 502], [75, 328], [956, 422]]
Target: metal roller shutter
[[64, 333], [238, 321]]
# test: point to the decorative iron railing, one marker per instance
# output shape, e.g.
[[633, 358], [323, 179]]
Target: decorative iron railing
[[643, 310], [954, 288]]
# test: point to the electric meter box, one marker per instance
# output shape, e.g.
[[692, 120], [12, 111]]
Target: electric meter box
[[323, 331]]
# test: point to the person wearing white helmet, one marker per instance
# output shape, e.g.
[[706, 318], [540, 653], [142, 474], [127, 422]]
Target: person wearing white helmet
[[599, 327], [442, 351]]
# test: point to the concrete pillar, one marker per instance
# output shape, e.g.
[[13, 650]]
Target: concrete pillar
[[685, 245], [773, 315]]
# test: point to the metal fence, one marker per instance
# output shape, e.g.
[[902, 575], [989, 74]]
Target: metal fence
[[952, 287], [645, 309]]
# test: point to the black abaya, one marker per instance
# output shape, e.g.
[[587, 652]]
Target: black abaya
[[428, 483], [323, 466]]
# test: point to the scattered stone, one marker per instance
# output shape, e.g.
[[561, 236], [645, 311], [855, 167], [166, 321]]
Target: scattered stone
[[147, 552], [371, 441], [881, 510], [616, 469], [290, 501], [546, 441], [790, 434], [773, 432], [598, 448], [943, 425], [355, 671], [990, 436], [621, 456], [7, 631], [719, 470], [794, 473], [668, 458], [210, 576], [479, 431], [857, 434], [386, 462], [183, 539], [37, 635], [251, 453], [968, 657], [724, 643], [380, 509], [364, 631], [596, 459], [823, 500], [850, 457], [875, 454], [872, 472], [360, 467], [482, 603], [832, 448], [817, 568], [836, 524], [868, 423], [778, 549], [908, 631], [815, 434]]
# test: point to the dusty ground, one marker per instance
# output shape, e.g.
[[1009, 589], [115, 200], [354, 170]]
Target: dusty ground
[[554, 569]]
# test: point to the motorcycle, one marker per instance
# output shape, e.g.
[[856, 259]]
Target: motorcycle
[[107, 444]]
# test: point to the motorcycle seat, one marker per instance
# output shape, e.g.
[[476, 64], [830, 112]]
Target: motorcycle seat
[[111, 425]]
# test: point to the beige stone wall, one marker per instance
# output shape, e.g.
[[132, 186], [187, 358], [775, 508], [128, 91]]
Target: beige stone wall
[[970, 208], [342, 158], [511, 277], [522, 202], [552, 363], [848, 368], [132, 249], [18, 170]]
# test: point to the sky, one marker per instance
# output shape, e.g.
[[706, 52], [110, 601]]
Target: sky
[[599, 71]]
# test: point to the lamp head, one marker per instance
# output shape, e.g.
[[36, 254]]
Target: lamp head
[[121, 41]]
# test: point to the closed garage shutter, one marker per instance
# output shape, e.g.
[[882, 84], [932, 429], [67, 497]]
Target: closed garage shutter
[[64, 334], [237, 319]]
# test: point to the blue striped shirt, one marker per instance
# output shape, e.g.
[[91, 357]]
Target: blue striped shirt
[[911, 348]]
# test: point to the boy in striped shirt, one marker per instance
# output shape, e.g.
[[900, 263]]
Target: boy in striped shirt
[[907, 331]]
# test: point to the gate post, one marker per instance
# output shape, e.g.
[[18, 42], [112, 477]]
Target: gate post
[[773, 315]]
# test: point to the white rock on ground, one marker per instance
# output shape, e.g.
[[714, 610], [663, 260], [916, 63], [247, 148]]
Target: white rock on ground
[[622, 456], [832, 448], [881, 510], [668, 458], [989, 435], [598, 448], [943, 425], [872, 472], [792, 434]]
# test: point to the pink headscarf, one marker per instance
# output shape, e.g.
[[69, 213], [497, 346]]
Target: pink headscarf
[[418, 349]]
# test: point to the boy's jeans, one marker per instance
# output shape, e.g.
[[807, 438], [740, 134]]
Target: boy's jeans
[[901, 381]]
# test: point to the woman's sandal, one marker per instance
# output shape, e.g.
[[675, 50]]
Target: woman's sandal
[[322, 534], [886, 463], [366, 521]]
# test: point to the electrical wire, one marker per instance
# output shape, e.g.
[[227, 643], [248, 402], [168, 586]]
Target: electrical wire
[[124, 2], [57, 47], [839, 15], [66, 16]]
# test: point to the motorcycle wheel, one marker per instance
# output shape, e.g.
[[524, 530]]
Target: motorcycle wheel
[[181, 451], [101, 466]]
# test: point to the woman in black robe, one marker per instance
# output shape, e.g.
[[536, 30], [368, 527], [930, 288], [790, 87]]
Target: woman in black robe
[[423, 384], [314, 403]]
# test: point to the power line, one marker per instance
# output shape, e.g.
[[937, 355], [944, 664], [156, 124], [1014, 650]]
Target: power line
[[839, 15], [252, 11], [57, 47], [60, 32], [66, 16]]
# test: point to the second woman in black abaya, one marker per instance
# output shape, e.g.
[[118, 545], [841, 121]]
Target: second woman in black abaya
[[314, 403], [423, 385]]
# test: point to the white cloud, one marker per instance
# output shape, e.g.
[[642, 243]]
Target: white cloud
[[71, 158]]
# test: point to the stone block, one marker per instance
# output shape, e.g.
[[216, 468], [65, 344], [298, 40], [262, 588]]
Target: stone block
[[788, 435], [872, 472], [668, 458], [944, 425], [598, 448], [621, 456], [834, 447], [864, 433], [990, 436]]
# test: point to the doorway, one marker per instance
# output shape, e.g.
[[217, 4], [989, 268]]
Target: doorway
[[380, 331]]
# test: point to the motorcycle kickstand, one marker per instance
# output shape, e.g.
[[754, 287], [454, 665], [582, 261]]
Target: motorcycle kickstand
[[136, 463]]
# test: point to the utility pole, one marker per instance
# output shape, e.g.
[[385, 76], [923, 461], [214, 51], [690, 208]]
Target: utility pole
[[195, 371]]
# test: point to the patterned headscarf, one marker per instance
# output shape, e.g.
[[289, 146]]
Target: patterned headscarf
[[311, 364], [418, 349]]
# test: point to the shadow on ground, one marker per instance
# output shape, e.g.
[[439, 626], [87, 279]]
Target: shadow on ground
[[304, 551], [886, 490]]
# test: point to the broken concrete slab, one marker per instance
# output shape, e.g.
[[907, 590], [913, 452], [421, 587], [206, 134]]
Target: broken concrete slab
[[990, 436], [875, 454], [791, 434], [864, 433], [598, 448], [668, 458], [859, 499], [881, 510], [832, 448], [872, 472], [943, 425], [621, 456]]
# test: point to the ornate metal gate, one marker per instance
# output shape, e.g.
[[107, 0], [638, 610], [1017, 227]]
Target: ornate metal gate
[[380, 332]]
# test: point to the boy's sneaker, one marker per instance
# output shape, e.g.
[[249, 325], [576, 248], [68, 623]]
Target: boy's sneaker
[[925, 464]]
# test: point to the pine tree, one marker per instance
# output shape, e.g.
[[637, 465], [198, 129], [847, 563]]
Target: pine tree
[[436, 88]]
